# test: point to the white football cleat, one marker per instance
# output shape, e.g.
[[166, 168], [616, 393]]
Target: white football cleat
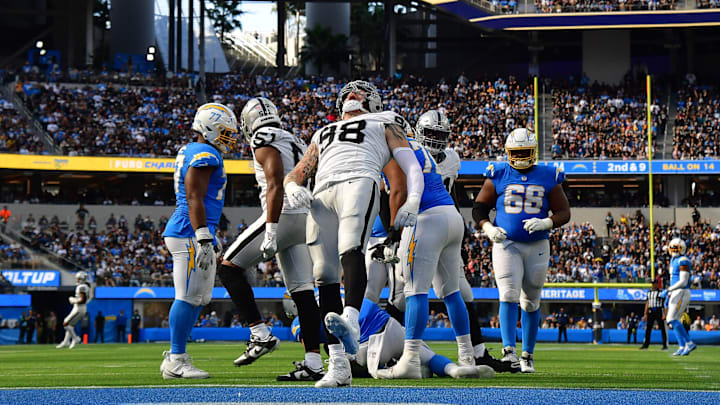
[[179, 366], [466, 361], [344, 330], [257, 348], [527, 364], [509, 355], [74, 342], [408, 367], [338, 374], [62, 344], [483, 371]]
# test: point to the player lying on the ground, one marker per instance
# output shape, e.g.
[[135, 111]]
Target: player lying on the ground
[[381, 344], [79, 302]]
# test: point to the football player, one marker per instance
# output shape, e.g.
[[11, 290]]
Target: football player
[[433, 132], [679, 295], [522, 193], [346, 158], [279, 232], [79, 302], [430, 253], [200, 182]]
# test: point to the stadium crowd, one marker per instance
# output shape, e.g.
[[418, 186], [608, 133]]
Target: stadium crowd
[[16, 134], [603, 122], [697, 123], [599, 6]]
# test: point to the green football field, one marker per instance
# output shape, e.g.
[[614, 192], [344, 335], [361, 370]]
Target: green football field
[[558, 366]]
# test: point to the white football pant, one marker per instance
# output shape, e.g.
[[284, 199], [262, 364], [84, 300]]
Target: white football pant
[[678, 304], [192, 285], [520, 269]]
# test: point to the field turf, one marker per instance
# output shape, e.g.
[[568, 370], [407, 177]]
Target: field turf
[[558, 366]]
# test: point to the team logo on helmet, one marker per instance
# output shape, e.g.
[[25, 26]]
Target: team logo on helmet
[[258, 112], [218, 125]]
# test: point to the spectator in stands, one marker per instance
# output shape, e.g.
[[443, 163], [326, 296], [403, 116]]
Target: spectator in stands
[[5, 217], [609, 223], [81, 213], [562, 320], [120, 325], [713, 323], [6, 286], [213, 320], [100, 327], [695, 216], [698, 324]]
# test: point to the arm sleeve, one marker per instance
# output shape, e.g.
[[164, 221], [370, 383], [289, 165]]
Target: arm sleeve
[[408, 163], [684, 277]]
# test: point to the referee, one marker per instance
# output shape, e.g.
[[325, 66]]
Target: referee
[[654, 312]]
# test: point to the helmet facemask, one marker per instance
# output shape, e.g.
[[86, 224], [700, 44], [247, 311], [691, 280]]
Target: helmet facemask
[[521, 158], [435, 140], [371, 103]]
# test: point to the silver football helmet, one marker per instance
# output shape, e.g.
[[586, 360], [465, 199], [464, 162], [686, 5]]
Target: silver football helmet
[[81, 277], [433, 131], [677, 247], [258, 112], [372, 101], [521, 148], [217, 124]]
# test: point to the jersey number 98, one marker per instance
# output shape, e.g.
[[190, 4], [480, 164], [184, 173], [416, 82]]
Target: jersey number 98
[[519, 198]]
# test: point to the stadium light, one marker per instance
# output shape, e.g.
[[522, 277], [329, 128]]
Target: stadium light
[[149, 57], [151, 49], [43, 52], [39, 44]]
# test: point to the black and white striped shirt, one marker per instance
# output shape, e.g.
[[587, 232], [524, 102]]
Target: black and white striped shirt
[[654, 300]]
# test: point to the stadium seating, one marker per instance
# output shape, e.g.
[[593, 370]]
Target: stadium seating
[[696, 123], [590, 6]]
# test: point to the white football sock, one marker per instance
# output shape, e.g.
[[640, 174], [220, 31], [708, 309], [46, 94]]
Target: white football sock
[[313, 360], [260, 330], [479, 350], [336, 350], [465, 348]]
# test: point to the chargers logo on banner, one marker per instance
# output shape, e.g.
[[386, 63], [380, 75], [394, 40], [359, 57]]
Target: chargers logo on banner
[[33, 278], [145, 292]]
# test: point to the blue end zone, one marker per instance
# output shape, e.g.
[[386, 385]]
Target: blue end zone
[[354, 395]]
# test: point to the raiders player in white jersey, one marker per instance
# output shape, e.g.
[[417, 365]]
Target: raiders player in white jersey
[[346, 158], [79, 302], [279, 232], [433, 132]]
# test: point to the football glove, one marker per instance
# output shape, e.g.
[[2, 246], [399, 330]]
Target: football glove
[[664, 294], [537, 224], [205, 253], [495, 233], [73, 300], [298, 196], [407, 214], [269, 244], [386, 252]]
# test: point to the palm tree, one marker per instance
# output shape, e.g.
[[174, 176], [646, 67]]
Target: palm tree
[[225, 16], [323, 48]]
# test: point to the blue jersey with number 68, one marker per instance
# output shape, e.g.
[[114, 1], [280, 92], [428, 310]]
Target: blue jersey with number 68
[[197, 155], [522, 196]]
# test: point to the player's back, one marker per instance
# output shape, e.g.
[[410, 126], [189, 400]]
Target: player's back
[[291, 150], [197, 155], [675, 264], [522, 195], [352, 148], [434, 193]]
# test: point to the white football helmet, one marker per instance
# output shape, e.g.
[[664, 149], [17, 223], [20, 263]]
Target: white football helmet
[[81, 277], [372, 101], [676, 247], [258, 112], [521, 148], [433, 131], [217, 124]]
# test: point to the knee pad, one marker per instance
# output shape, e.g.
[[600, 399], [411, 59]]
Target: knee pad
[[510, 295], [530, 305], [300, 287]]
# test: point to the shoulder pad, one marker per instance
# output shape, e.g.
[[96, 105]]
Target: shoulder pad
[[203, 158], [559, 175], [490, 171], [684, 261]]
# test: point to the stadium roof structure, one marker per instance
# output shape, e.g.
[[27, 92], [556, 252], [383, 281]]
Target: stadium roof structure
[[475, 12]]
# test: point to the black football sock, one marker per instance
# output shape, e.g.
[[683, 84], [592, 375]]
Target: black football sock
[[309, 315], [330, 301], [355, 277], [241, 293]]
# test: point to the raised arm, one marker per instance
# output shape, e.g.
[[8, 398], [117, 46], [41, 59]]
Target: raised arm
[[406, 160]]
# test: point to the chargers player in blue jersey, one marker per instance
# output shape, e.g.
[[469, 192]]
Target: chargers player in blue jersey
[[430, 255], [679, 295], [522, 193], [200, 182]]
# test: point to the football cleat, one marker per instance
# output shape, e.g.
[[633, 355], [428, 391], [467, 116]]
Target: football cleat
[[338, 374], [74, 342], [257, 348], [62, 344], [679, 351], [344, 330], [509, 356], [180, 367], [408, 367], [302, 373], [690, 346], [499, 366], [527, 364]]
